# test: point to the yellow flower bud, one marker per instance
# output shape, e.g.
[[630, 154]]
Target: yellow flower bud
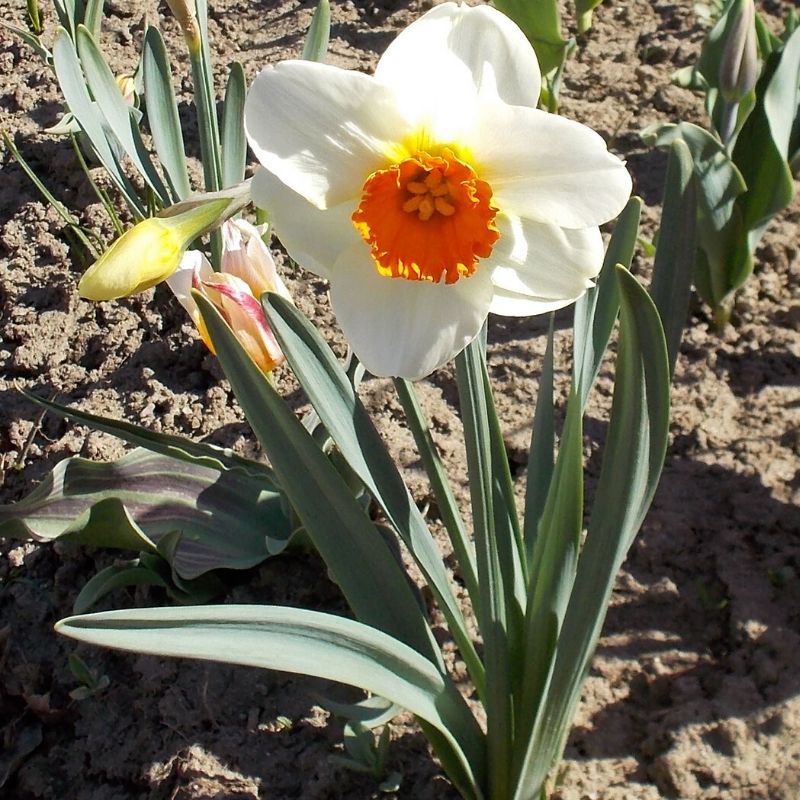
[[148, 253], [185, 11], [127, 88]]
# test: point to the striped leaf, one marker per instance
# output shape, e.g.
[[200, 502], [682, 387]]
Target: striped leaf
[[213, 520]]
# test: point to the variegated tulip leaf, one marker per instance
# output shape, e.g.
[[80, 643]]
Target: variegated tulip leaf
[[200, 519]]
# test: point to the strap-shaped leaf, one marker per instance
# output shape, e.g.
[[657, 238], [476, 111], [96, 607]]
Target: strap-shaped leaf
[[179, 447], [498, 608], [162, 113], [347, 421], [540, 453], [116, 113], [234, 143], [93, 17], [442, 490], [724, 259], [673, 269], [762, 149], [316, 44], [303, 642], [632, 463], [219, 520], [552, 570], [73, 87], [596, 312], [357, 556]]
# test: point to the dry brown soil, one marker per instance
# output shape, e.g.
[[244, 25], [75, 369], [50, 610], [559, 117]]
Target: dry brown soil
[[693, 692]]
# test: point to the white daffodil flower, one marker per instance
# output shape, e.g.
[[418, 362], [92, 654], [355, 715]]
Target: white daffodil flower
[[433, 192]]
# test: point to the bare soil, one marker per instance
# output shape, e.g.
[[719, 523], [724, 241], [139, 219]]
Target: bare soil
[[694, 689]]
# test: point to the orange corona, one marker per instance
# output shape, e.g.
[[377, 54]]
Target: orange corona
[[426, 218]]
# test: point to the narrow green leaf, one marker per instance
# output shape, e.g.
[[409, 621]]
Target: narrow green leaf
[[671, 285], [762, 149], [162, 113], [116, 576], [442, 490], [93, 16], [724, 259], [358, 558], [303, 642], [632, 463], [30, 39], [316, 43], [116, 113], [205, 102], [540, 453], [552, 572], [506, 526], [73, 87], [596, 312], [69, 219], [347, 421], [178, 447], [497, 600], [224, 520], [234, 143]]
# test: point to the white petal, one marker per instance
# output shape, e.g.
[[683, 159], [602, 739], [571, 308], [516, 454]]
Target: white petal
[[511, 304], [544, 261], [322, 130], [548, 168], [313, 238], [405, 328], [499, 59]]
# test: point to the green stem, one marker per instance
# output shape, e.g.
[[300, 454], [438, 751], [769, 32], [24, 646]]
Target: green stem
[[208, 125], [442, 491]]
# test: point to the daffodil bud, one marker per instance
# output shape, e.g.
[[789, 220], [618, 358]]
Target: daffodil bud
[[247, 272], [149, 252], [185, 11], [738, 69], [127, 88]]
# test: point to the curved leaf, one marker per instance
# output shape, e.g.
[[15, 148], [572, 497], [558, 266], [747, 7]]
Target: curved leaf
[[347, 421], [162, 113], [304, 642], [632, 463], [358, 558], [223, 520], [178, 447]]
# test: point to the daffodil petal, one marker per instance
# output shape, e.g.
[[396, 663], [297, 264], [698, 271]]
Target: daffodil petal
[[512, 304], [405, 328], [313, 238], [545, 261], [548, 168], [322, 130], [499, 59]]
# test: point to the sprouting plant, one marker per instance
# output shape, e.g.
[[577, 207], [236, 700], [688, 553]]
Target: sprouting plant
[[744, 165]]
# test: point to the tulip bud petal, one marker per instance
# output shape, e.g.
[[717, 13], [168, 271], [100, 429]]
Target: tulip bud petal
[[738, 69]]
